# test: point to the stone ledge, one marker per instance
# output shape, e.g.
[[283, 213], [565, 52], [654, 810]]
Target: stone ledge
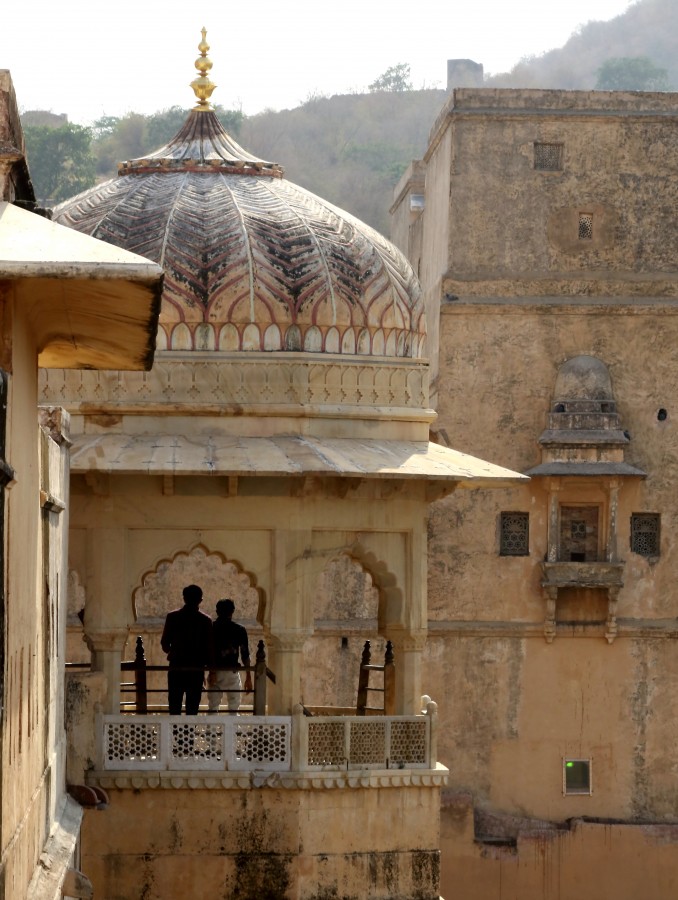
[[308, 780]]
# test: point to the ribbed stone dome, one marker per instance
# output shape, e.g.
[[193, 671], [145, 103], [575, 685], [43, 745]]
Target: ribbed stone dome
[[252, 261]]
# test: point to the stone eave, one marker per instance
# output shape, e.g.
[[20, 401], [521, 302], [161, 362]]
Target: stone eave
[[583, 437], [92, 305], [283, 455], [585, 469]]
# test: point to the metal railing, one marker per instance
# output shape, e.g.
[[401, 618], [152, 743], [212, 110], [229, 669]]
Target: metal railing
[[139, 685]]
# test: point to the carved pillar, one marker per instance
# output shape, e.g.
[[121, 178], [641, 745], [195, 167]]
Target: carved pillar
[[289, 620], [106, 658], [108, 611], [286, 662], [611, 549], [550, 597], [408, 649], [553, 537], [611, 624]]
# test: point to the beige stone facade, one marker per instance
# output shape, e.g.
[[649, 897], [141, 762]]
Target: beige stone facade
[[51, 283], [546, 251]]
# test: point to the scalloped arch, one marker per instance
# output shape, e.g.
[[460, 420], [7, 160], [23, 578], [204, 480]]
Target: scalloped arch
[[345, 591], [159, 588]]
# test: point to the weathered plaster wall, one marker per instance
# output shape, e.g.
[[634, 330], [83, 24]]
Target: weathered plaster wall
[[582, 859], [33, 748], [264, 843], [521, 704], [520, 294]]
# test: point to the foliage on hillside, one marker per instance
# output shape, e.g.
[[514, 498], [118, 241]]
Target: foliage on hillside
[[647, 30], [349, 149], [61, 161], [133, 135]]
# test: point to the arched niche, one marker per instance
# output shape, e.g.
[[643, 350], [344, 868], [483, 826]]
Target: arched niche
[[160, 588], [345, 591], [345, 615]]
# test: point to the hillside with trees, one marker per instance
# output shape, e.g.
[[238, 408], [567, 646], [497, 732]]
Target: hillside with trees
[[647, 31], [350, 149]]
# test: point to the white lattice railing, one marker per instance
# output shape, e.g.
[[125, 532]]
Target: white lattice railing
[[373, 742], [196, 742], [270, 743]]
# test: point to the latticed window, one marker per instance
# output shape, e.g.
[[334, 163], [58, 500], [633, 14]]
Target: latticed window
[[645, 534], [514, 534], [585, 226], [548, 157]]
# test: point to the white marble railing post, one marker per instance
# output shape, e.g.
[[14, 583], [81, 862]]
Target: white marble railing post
[[299, 739]]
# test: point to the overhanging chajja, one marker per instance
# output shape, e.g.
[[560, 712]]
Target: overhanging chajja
[[290, 455], [91, 305]]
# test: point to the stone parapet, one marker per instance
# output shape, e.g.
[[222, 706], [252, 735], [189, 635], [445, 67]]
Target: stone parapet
[[239, 384]]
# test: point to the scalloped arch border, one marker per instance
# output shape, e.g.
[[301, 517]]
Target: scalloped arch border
[[199, 545]]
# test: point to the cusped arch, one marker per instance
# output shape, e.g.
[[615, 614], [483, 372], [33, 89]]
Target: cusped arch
[[345, 590], [382, 595], [160, 588]]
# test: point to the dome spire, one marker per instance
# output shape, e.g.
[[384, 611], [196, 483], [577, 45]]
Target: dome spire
[[202, 85]]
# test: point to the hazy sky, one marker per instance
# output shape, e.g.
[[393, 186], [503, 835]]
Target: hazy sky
[[91, 58]]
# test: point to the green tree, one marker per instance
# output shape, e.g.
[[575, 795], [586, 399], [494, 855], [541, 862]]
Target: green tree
[[395, 78], [60, 160], [631, 73]]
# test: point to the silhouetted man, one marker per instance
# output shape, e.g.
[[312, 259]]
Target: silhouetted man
[[187, 641], [230, 646]]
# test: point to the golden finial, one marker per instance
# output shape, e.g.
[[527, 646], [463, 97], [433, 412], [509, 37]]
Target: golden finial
[[202, 86]]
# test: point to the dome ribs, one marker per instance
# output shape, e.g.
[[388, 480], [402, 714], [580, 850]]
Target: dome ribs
[[251, 260]]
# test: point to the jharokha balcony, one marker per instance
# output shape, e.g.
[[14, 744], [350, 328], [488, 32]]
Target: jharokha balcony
[[143, 746]]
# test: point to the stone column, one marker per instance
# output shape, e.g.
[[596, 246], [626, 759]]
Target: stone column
[[107, 650], [611, 549], [289, 619], [553, 536], [408, 649], [550, 599], [108, 610], [286, 662]]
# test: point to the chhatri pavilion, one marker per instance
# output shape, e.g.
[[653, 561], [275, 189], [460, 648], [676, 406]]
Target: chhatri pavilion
[[277, 452]]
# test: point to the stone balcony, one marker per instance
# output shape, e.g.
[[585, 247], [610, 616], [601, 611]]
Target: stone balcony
[[583, 574], [597, 575], [298, 751]]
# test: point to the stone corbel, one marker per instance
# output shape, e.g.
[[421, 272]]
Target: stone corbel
[[550, 598], [110, 640], [407, 642], [290, 641], [611, 624]]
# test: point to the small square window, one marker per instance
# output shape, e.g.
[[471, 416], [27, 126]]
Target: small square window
[[585, 226], [548, 157], [514, 534], [645, 533], [577, 776]]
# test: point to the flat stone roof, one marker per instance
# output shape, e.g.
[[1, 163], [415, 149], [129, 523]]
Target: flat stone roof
[[281, 455]]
